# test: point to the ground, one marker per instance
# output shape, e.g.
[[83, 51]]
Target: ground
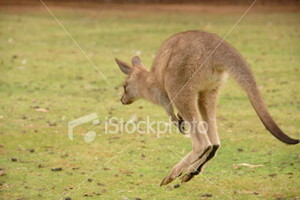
[[47, 81]]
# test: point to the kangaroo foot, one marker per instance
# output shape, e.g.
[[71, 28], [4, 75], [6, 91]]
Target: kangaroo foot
[[188, 177], [172, 176]]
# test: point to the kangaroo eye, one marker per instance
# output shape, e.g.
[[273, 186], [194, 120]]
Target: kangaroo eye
[[124, 86]]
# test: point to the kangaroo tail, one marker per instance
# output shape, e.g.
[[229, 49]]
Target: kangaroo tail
[[243, 75]]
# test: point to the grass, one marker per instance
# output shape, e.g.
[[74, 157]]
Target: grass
[[41, 67]]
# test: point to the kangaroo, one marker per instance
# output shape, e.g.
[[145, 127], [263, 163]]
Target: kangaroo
[[187, 73]]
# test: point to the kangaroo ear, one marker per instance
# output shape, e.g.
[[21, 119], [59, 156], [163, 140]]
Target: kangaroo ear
[[136, 61], [126, 69]]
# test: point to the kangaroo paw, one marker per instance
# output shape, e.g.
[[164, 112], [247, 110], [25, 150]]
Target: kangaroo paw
[[181, 124]]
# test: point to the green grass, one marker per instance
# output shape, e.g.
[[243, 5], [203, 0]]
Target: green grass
[[58, 77]]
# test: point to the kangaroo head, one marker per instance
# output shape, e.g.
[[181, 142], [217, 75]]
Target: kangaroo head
[[135, 81]]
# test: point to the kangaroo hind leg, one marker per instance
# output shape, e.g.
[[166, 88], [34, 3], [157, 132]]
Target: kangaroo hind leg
[[207, 106], [186, 103]]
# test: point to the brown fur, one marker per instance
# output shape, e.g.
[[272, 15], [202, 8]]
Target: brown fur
[[187, 73]]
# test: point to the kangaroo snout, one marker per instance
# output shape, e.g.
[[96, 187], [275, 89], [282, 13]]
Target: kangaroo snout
[[122, 101], [125, 102]]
